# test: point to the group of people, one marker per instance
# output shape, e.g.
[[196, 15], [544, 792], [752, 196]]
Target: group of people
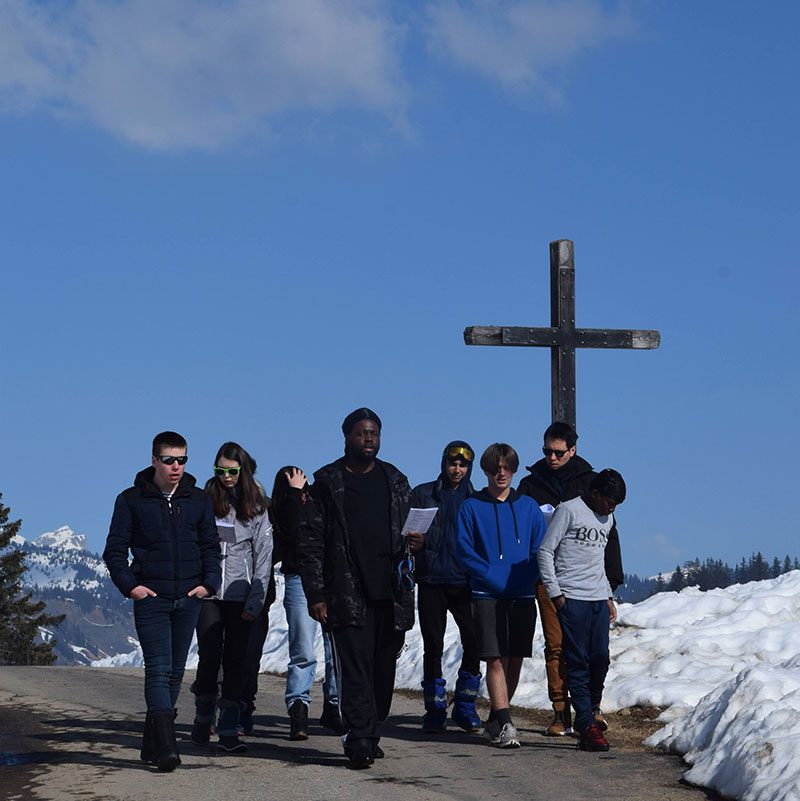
[[202, 561]]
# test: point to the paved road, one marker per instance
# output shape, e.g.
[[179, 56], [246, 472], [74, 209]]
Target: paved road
[[74, 735]]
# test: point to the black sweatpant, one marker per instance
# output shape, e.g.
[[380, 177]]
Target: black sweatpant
[[222, 638], [365, 658], [433, 603]]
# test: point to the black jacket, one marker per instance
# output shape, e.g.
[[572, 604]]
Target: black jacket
[[175, 547], [542, 486], [327, 567], [285, 529]]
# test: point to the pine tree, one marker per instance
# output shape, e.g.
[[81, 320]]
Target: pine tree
[[20, 616], [787, 564], [677, 582]]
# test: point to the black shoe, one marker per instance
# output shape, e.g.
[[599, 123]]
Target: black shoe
[[201, 732], [231, 744], [378, 752], [360, 760], [331, 719], [298, 721]]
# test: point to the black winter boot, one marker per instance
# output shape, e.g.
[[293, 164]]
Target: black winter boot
[[148, 753], [298, 721], [167, 757]]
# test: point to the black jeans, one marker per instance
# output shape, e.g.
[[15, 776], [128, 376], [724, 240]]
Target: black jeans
[[222, 638], [365, 658], [433, 603]]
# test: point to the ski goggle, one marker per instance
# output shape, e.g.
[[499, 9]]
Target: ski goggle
[[460, 452], [172, 459], [227, 471], [405, 573]]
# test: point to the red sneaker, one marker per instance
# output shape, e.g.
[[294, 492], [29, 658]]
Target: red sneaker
[[592, 739]]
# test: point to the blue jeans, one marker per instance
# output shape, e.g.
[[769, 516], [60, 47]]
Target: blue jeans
[[165, 628], [584, 628], [302, 657]]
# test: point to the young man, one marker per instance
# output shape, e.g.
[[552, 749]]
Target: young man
[[168, 525], [499, 532], [561, 476], [571, 561], [350, 551], [444, 587]]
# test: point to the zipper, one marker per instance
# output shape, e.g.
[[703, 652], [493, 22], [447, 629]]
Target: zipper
[[174, 532]]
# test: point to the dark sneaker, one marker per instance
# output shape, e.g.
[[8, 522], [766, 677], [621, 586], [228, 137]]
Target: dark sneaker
[[600, 719], [360, 760], [592, 739], [298, 721], [231, 744], [331, 719], [360, 753], [378, 752]]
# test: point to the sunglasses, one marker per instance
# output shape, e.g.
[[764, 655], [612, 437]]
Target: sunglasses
[[552, 451], [227, 471], [405, 573], [460, 453], [172, 459]]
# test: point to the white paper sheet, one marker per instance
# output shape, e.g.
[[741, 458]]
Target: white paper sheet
[[419, 520]]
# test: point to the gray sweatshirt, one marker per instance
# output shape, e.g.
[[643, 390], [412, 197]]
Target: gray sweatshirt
[[571, 556]]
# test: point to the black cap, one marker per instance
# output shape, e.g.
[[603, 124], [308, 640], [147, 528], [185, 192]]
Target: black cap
[[357, 416]]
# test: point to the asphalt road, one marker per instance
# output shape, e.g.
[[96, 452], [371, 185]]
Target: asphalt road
[[73, 734]]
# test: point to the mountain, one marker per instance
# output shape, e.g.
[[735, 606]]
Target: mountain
[[74, 581]]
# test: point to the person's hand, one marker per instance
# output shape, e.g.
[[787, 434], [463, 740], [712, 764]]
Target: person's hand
[[140, 591], [416, 541], [296, 478], [559, 601], [319, 612], [612, 610], [199, 592], [248, 616]]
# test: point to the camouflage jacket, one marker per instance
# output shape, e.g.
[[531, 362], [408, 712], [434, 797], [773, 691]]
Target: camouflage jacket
[[327, 567]]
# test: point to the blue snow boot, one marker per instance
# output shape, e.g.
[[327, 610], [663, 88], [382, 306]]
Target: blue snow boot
[[435, 716], [464, 713]]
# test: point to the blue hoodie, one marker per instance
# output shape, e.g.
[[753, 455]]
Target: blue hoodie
[[498, 543]]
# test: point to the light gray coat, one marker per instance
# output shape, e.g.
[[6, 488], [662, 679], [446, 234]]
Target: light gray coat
[[246, 547]]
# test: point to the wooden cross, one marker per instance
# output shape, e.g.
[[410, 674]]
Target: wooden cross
[[562, 337]]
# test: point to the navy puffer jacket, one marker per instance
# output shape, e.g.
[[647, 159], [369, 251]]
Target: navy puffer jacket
[[174, 542], [439, 562]]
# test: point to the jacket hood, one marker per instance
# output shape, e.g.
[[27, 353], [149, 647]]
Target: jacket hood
[[456, 443], [484, 495], [145, 480]]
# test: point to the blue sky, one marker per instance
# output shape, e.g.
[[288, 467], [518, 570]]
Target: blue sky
[[242, 219]]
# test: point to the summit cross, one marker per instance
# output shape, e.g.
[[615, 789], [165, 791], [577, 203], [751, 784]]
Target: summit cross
[[562, 337]]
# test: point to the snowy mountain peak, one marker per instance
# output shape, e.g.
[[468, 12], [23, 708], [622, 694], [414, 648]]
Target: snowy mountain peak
[[17, 541], [63, 538]]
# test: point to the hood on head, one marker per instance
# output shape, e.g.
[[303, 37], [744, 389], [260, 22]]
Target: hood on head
[[456, 443]]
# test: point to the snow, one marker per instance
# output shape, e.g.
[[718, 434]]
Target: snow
[[724, 663], [63, 538]]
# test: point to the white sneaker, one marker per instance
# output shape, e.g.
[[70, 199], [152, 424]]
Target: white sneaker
[[501, 737]]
